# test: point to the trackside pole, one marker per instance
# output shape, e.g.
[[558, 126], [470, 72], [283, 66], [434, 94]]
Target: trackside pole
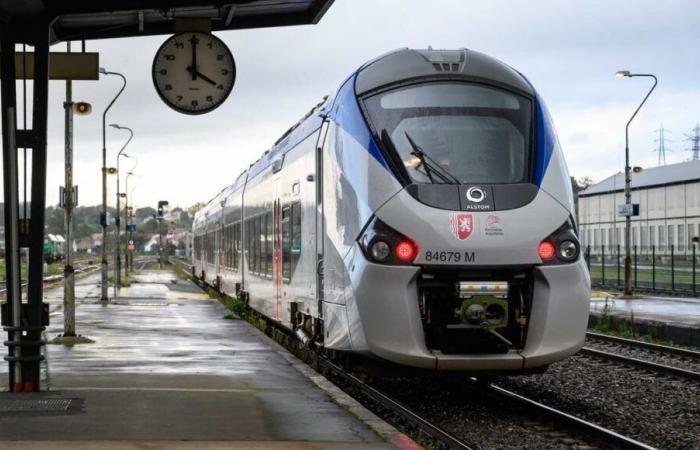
[[68, 200]]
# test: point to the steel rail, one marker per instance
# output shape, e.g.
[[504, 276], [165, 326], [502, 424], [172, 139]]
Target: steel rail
[[640, 363], [387, 402], [691, 354], [569, 421], [373, 393], [51, 278]]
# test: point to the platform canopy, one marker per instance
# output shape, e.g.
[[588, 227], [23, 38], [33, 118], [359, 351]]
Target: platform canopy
[[100, 19]]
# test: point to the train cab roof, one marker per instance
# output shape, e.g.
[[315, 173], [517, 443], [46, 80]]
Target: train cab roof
[[408, 65]]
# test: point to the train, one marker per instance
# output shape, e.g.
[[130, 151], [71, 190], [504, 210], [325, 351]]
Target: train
[[54, 248], [420, 217]]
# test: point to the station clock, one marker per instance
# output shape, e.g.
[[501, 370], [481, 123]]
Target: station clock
[[194, 72]]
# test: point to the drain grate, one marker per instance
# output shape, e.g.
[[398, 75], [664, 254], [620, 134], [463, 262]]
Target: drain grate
[[33, 405]]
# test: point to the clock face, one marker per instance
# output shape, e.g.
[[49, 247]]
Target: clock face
[[194, 72]]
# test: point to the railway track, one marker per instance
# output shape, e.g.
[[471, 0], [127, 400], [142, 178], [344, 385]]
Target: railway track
[[616, 343], [569, 422], [566, 422], [420, 423]]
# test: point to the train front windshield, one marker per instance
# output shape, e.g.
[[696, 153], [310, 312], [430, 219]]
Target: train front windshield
[[450, 132]]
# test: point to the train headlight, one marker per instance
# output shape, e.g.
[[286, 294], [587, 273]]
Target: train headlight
[[568, 250], [380, 250], [560, 247], [382, 244]]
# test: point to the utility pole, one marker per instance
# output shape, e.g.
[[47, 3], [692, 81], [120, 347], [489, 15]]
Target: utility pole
[[68, 204], [661, 149], [159, 218], [69, 200]]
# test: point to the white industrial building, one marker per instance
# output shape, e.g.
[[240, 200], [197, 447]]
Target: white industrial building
[[669, 211]]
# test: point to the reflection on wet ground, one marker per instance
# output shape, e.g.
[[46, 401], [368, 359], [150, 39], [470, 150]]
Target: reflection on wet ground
[[166, 365], [680, 311]]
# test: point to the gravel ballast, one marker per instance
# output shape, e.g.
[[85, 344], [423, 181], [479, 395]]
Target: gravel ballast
[[658, 410]]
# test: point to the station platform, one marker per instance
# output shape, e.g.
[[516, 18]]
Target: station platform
[[677, 311], [167, 370]]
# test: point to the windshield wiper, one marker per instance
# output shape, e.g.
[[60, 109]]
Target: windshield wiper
[[430, 165]]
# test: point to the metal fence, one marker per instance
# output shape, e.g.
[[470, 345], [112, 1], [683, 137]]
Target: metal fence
[[652, 270]]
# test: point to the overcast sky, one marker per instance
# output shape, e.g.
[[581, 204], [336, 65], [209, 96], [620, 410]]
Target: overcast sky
[[568, 50]]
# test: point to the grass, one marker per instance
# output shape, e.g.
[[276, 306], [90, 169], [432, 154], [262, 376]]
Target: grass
[[644, 276], [607, 323]]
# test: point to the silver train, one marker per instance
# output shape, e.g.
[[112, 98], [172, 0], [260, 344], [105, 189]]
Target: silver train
[[422, 216]]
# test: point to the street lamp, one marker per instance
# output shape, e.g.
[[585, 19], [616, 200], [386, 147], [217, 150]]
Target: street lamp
[[130, 209], [628, 179], [117, 249], [126, 216], [104, 297]]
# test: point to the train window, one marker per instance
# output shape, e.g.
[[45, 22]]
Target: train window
[[230, 246], [259, 243], [296, 235], [286, 244], [261, 232], [249, 244], [236, 244], [472, 133], [268, 243]]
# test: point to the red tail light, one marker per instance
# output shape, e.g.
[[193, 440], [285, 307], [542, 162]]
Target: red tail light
[[405, 251], [546, 250]]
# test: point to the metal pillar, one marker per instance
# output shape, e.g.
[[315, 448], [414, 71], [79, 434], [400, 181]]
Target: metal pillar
[[68, 205], [11, 311], [24, 322]]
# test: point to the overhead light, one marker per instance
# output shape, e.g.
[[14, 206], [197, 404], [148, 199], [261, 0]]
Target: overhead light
[[623, 73]]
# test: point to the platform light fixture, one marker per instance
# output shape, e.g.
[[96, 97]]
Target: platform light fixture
[[628, 179]]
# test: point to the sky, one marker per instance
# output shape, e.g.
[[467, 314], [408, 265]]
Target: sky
[[569, 51]]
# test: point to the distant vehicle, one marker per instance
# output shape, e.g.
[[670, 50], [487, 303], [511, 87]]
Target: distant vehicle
[[421, 217], [54, 248]]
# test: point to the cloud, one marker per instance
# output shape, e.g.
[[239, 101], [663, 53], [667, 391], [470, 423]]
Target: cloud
[[568, 50]]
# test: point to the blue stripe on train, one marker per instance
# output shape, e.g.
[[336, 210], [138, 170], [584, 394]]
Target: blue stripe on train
[[347, 115], [544, 142]]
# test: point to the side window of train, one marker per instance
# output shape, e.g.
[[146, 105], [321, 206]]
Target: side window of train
[[230, 246], [258, 245], [286, 244], [236, 244], [249, 244], [296, 234], [268, 243]]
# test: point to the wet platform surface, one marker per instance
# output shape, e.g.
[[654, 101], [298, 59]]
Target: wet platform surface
[[673, 310], [167, 367]]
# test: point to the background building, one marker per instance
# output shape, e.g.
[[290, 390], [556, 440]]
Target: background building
[[669, 211]]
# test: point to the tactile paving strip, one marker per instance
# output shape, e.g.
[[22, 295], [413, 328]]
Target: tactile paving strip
[[32, 405]]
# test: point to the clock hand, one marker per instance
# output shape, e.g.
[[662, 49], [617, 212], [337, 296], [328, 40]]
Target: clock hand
[[206, 78], [194, 57], [201, 75]]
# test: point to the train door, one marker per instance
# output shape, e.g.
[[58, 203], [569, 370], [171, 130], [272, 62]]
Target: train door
[[320, 227]]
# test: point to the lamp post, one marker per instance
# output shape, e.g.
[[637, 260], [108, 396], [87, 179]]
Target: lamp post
[[117, 249], [628, 179], [126, 216], [104, 297], [131, 214]]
